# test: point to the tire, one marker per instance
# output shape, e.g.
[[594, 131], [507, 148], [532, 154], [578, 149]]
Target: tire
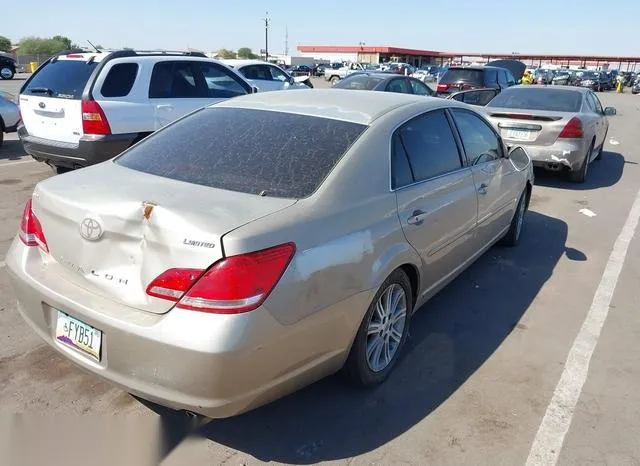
[[599, 156], [1, 135], [512, 238], [334, 80], [6, 73], [580, 175], [359, 368]]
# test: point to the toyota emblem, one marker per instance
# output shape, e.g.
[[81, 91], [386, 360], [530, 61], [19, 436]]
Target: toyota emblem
[[91, 229]]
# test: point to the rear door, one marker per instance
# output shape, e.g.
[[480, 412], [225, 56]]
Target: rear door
[[50, 102], [600, 122], [436, 195], [494, 176]]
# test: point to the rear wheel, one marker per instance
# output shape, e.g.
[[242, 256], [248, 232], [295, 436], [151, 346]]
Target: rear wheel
[[6, 73], [334, 80], [382, 333], [580, 175]]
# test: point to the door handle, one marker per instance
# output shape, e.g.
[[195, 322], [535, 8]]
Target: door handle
[[417, 217], [164, 106], [483, 188]]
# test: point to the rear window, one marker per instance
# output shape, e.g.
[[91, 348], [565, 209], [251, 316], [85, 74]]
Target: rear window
[[251, 151], [363, 83], [558, 100], [454, 75], [65, 79], [120, 79]]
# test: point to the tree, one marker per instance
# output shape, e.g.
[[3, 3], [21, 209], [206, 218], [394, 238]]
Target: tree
[[226, 54], [246, 53], [5, 44], [44, 46]]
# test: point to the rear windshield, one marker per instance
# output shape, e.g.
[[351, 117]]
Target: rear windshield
[[363, 83], [65, 79], [454, 75], [251, 151], [558, 100]]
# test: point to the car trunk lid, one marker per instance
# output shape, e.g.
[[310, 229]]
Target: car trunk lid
[[534, 127], [111, 230]]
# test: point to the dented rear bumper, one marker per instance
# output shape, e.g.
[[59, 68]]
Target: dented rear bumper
[[562, 154]]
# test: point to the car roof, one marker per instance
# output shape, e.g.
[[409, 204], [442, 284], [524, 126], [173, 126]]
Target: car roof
[[242, 62], [356, 106]]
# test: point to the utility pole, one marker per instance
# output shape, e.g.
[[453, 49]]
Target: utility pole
[[266, 36], [286, 41]]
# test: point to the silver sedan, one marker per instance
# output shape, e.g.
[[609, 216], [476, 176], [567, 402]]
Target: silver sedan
[[259, 244], [9, 115], [562, 127]]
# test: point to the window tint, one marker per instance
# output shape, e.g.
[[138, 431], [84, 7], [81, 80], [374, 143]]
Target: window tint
[[259, 72], [430, 145], [596, 103], [252, 151], [401, 174], [419, 88], [480, 142], [491, 76], [400, 86], [454, 75], [174, 80], [220, 82], [120, 79], [359, 82], [511, 80], [502, 77], [65, 79], [535, 98]]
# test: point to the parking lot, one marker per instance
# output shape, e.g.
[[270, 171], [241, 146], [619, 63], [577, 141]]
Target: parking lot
[[483, 360]]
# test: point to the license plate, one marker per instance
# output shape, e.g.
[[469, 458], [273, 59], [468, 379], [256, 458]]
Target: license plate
[[75, 333], [522, 134]]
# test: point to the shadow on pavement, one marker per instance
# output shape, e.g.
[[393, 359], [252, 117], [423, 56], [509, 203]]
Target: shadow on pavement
[[451, 337], [602, 173], [12, 150]]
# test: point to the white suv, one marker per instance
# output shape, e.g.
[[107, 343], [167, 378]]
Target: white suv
[[83, 108]]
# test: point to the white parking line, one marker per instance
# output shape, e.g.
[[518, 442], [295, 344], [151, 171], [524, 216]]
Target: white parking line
[[557, 419], [17, 163]]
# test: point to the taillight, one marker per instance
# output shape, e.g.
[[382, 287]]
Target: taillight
[[233, 285], [573, 129], [94, 121], [442, 87], [31, 232]]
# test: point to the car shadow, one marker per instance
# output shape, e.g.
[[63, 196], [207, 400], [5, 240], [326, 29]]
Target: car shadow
[[602, 173], [451, 337], [12, 150]]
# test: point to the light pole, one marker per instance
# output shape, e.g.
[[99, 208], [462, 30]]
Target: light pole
[[266, 36]]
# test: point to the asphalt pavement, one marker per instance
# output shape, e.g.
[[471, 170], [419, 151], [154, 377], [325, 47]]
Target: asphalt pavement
[[513, 362]]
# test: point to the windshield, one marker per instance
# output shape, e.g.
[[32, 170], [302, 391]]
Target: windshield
[[361, 82], [590, 75], [453, 75], [557, 100], [65, 79], [251, 151]]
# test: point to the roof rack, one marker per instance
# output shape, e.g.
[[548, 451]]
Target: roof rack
[[163, 52]]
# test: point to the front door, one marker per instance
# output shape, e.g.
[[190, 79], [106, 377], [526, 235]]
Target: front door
[[436, 196], [494, 176]]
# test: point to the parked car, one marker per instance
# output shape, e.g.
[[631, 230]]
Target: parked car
[[563, 128], [386, 82], [635, 89], [8, 67], [212, 269], [596, 81], [267, 76], [562, 78], [9, 115], [460, 78], [79, 109], [542, 76], [300, 70], [334, 75]]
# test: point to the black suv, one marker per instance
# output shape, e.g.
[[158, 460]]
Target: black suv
[[8, 67], [463, 78]]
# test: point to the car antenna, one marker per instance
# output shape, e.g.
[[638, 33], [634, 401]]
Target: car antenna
[[97, 50]]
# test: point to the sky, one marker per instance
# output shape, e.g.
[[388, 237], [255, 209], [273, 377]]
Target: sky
[[582, 27]]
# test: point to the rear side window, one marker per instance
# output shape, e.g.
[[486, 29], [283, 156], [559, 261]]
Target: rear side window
[[120, 79], [430, 145], [479, 140], [359, 82], [454, 75], [65, 79], [400, 85], [246, 150]]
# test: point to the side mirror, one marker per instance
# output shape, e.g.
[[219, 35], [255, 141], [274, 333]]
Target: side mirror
[[254, 90], [291, 80], [610, 111], [519, 157]]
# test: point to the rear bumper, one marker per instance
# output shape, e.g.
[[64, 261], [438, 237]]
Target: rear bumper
[[562, 154], [214, 365], [88, 151]]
